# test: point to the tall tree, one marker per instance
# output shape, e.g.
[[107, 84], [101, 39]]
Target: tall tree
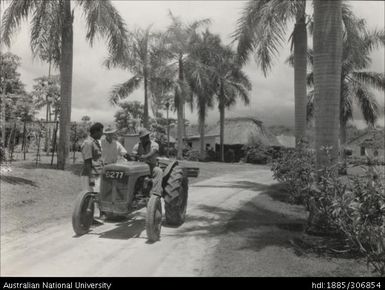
[[10, 87], [179, 35], [327, 44], [137, 61], [101, 17], [200, 68], [356, 80], [231, 83], [261, 29]]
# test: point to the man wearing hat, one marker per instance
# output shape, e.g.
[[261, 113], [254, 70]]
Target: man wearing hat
[[112, 150], [147, 151]]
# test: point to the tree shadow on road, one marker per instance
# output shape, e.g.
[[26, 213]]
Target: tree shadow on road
[[261, 222], [236, 184], [128, 229], [17, 180], [73, 168], [260, 227]]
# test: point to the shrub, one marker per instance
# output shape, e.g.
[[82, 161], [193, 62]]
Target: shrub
[[256, 154], [351, 206], [192, 155], [360, 214], [295, 169]]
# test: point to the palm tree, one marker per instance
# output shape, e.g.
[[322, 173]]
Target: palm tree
[[178, 36], [101, 17], [231, 83], [356, 81], [327, 43], [200, 66], [261, 28], [137, 60]]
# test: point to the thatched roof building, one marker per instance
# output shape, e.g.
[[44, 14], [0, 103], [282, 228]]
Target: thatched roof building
[[245, 131]]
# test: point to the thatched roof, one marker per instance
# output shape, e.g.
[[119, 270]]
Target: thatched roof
[[286, 140], [372, 139], [245, 131]]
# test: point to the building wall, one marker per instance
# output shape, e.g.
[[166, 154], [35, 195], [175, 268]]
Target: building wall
[[196, 143], [356, 151]]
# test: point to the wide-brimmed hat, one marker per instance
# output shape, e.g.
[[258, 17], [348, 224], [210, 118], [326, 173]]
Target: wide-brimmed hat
[[143, 132], [109, 130]]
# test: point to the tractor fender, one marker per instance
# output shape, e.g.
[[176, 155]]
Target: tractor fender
[[167, 171]]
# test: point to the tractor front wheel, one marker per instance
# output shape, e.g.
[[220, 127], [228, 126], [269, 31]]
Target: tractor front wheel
[[176, 195], [83, 214], [154, 218]]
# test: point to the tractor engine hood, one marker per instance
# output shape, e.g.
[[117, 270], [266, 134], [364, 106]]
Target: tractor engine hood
[[129, 168]]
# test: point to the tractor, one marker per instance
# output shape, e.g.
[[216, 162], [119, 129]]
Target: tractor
[[125, 185]]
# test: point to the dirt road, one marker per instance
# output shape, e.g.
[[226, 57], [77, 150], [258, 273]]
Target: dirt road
[[121, 248], [238, 224]]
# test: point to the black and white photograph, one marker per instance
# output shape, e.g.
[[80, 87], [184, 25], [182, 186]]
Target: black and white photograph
[[219, 138]]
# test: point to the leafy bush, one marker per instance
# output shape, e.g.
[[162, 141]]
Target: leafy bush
[[360, 160], [351, 206], [191, 155], [256, 154], [295, 169], [360, 214]]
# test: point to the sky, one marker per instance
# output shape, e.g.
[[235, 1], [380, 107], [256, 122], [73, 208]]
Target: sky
[[271, 98]]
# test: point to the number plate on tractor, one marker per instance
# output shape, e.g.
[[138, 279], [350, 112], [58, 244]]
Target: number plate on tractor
[[110, 174]]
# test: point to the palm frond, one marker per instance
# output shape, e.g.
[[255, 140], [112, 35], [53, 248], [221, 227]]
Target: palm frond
[[13, 15], [310, 79], [245, 34], [346, 102], [125, 89], [46, 32], [103, 18], [368, 104], [192, 27], [372, 79], [310, 105], [238, 89]]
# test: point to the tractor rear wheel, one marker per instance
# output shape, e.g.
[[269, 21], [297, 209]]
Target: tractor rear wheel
[[154, 218], [176, 195], [83, 214]]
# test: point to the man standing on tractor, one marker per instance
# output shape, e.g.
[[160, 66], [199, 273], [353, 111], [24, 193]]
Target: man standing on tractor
[[92, 153], [112, 150], [147, 151]]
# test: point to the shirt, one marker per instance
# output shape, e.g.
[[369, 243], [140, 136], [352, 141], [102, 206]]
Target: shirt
[[112, 152], [91, 149], [139, 149]]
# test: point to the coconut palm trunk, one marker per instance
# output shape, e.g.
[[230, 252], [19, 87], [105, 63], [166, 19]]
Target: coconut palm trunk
[[202, 120], [300, 70], [180, 114], [327, 76], [222, 126], [145, 113], [66, 65]]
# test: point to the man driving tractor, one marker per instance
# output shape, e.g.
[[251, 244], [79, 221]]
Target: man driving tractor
[[147, 150]]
